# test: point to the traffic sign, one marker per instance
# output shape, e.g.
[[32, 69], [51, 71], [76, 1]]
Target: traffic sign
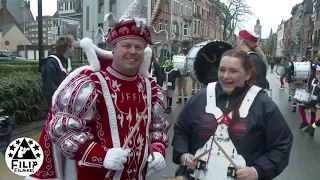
[[7, 43]]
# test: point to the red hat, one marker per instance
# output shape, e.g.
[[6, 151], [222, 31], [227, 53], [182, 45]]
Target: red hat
[[248, 36], [129, 29]]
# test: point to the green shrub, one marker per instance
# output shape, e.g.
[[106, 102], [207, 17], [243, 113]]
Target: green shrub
[[8, 69], [21, 97], [26, 66]]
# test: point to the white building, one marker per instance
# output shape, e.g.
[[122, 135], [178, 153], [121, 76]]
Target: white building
[[280, 40]]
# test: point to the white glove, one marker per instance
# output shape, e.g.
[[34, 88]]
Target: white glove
[[157, 164], [115, 158]]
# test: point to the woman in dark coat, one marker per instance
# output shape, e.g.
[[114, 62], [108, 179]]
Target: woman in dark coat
[[258, 131]]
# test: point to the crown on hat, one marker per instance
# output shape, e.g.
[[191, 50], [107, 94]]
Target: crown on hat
[[133, 24]]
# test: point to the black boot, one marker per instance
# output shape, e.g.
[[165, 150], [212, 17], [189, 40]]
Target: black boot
[[289, 99], [179, 101], [311, 130], [185, 100], [168, 110], [303, 125], [294, 109]]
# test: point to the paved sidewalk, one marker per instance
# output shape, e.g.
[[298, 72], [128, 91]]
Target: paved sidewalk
[[32, 131]]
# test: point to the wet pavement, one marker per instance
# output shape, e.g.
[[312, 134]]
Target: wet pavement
[[305, 154]]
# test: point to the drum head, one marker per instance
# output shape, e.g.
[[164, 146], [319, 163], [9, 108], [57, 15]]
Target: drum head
[[208, 60], [280, 70]]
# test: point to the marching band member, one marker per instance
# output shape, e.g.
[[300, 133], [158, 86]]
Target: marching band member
[[310, 105], [96, 107], [282, 77], [182, 83], [171, 74], [262, 137], [313, 124], [294, 83], [248, 42]]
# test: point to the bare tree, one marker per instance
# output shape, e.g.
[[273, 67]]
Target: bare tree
[[231, 12]]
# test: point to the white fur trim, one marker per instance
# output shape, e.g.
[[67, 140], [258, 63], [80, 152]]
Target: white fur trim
[[144, 67], [88, 47], [103, 53]]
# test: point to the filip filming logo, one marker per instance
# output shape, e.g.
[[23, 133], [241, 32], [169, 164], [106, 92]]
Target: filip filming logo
[[24, 156]]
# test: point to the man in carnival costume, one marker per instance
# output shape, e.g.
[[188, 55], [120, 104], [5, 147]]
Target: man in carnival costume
[[96, 107]]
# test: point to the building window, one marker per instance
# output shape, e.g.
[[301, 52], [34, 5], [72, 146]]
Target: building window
[[72, 5], [66, 6], [61, 5], [185, 29], [166, 7], [194, 26], [166, 25], [174, 28], [113, 6], [205, 30], [101, 6], [161, 24], [181, 9], [87, 17]]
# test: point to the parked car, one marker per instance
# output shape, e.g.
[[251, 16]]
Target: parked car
[[6, 128], [7, 56]]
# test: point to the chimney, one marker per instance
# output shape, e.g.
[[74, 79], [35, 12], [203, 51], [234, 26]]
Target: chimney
[[28, 5]]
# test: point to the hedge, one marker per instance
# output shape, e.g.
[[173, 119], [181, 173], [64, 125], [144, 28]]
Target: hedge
[[21, 95], [7, 67]]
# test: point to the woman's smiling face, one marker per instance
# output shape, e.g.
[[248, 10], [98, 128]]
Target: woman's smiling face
[[232, 74]]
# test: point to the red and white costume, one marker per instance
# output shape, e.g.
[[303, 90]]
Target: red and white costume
[[95, 109]]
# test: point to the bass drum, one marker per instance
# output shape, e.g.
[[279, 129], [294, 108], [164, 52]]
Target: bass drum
[[180, 62], [281, 70], [302, 70], [208, 59]]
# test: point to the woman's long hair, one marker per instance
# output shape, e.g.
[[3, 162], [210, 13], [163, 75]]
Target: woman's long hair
[[254, 47], [248, 66]]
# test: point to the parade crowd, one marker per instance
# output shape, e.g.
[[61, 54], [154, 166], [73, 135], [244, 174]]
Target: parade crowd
[[307, 84]]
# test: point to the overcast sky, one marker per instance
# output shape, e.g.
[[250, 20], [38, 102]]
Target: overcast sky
[[270, 12]]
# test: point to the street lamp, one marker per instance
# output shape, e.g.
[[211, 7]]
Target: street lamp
[[40, 47]]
